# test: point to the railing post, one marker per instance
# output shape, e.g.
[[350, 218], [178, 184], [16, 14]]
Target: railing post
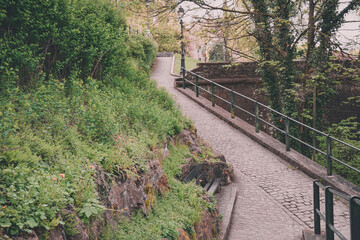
[[232, 104], [183, 78], [212, 94], [197, 85], [329, 213], [328, 155], [256, 117], [316, 200], [287, 140], [355, 217]]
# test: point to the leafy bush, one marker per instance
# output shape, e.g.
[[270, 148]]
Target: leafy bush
[[59, 38], [167, 38], [348, 131]]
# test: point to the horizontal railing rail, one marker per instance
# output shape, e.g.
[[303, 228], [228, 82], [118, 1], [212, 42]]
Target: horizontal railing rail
[[257, 118], [134, 31], [328, 218]]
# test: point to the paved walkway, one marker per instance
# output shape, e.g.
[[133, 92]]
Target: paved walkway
[[274, 199]]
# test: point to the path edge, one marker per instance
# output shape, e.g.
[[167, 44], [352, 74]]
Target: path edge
[[172, 67], [226, 221], [299, 161]]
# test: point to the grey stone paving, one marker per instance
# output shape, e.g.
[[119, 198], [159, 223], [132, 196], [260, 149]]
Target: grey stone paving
[[274, 199]]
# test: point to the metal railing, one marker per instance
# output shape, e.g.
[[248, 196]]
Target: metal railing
[[134, 31], [287, 120], [328, 218]]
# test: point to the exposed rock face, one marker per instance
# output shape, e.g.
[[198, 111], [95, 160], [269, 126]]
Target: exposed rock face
[[189, 138], [31, 236], [212, 170], [183, 235], [79, 231], [209, 227], [124, 197]]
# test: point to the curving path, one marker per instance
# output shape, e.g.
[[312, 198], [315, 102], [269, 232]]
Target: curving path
[[274, 200]]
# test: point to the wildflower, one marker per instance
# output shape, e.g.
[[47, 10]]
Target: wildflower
[[194, 194], [126, 208], [191, 204], [130, 140], [280, 120], [3, 207], [226, 172], [119, 137], [117, 141], [94, 174], [62, 175], [91, 166], [54, 178]]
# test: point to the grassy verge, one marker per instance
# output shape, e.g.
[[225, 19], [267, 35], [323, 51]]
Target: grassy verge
[[190, 63]]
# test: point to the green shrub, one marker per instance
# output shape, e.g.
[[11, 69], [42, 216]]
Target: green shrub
[[167, 38], [348, 131]]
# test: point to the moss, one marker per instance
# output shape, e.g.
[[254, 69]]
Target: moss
[[70, 225], [149, 190]]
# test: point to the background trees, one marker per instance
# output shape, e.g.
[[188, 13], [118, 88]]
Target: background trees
[[284, 31]]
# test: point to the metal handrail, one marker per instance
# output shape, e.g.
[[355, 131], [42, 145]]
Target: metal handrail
[[288, 136], [328, 218]]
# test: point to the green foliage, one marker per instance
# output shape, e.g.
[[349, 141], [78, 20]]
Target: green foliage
[[172, 164], [60, 38], [348, 131], [47, 130], [167, 38], [72, 82], [216, 54]]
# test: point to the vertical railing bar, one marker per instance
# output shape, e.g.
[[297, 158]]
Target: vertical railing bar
[[316, 199], [256, 117], [232, 104], [183, 77], [354, 218], [197, 85], [212, 94], [287, 139], [328, 155], [329, 213]]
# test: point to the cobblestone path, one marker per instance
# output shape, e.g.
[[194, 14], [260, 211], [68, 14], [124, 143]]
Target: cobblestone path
[[274, 199]]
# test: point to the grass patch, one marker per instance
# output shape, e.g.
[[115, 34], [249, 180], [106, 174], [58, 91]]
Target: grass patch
[[190, 63]]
